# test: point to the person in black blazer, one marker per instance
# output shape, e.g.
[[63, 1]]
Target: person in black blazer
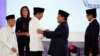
[[92, 34], [59, 42]]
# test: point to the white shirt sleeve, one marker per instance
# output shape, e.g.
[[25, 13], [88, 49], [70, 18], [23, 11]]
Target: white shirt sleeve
[[40, 35], [33, 26]]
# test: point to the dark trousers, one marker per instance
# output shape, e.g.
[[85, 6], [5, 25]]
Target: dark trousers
[[35, 53], [23, 45]]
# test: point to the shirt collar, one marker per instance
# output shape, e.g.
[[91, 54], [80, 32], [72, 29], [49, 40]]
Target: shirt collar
[[91, 20], [9, 27], [35, 18]]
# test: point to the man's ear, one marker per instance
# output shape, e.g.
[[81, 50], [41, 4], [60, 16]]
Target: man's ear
[[63, 17]]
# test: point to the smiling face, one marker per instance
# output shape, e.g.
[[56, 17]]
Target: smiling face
[[39, 15], [11, 22]]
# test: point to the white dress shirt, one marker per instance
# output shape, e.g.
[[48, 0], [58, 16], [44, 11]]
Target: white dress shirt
[[35, 38]]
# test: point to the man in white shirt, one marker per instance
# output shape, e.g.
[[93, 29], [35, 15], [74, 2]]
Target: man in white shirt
[[36, 45], [8, 41]]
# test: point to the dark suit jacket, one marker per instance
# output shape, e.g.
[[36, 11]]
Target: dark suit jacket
[[58, 45], [91, 38]]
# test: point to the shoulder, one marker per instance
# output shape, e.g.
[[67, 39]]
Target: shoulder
[[32, 20], [3, 29], [96, 23], [65, 24], [19, 19]]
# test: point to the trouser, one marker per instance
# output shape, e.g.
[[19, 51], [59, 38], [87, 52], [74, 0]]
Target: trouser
[[23, 46], [35, 53]]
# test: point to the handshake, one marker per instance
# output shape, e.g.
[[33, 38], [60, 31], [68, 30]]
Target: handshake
[[42, 31]]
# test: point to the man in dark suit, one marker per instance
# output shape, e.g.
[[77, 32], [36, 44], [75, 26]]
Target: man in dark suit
[[92, 34], [59, 42]]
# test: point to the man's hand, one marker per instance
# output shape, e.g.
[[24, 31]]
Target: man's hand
[[13, 50], [47, 30], [90, 54], [23, 33], [40, 31], [17, 54], [26, 33]]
